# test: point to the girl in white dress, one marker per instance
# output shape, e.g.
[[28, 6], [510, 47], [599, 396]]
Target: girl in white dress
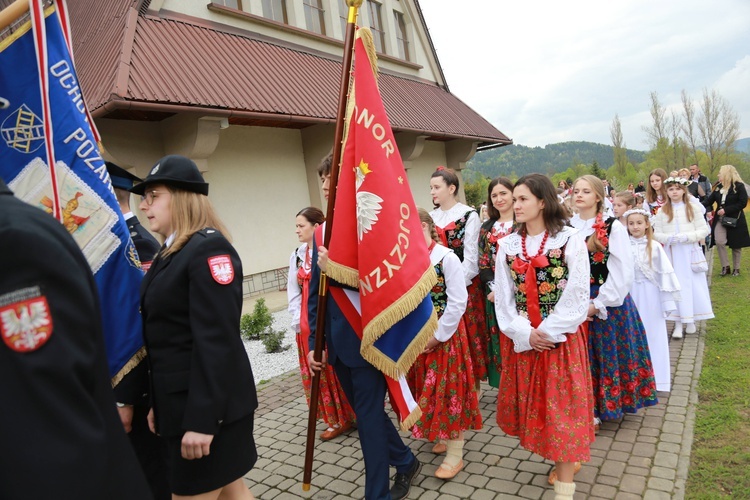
[[679, 226], [655, 291], [656, 194]]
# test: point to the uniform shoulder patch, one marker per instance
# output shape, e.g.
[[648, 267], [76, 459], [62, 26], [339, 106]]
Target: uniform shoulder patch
[[25, 319], [221, 268]]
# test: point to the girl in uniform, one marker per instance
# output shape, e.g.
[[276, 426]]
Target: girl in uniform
[[333, 406], [621, 370], [679, 226], [541, 302], [191, 299], [458, 228], [443, 373], [500, 225], [655, 291]]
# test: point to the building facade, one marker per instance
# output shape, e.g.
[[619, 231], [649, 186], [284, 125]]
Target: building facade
[[249, 89]]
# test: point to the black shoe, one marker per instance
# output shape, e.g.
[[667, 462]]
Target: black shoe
[[724, 271], [402, 481], [736, 272]]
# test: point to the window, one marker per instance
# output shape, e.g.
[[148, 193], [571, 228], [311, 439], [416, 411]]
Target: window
[[235, 4], [402, 36], [343, 16], [376, 25], [275, 9], [314, 16]]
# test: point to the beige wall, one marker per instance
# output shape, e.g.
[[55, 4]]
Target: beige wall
[[259, 177]]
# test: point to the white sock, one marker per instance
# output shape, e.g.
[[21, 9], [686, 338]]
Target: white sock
[[564, 491], [455, 452]]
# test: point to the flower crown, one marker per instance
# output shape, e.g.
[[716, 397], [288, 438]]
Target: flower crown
[[677, 180], [639, 211]]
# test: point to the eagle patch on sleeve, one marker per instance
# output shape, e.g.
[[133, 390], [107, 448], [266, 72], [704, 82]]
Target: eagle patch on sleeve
[[221, 269], [25, 319]]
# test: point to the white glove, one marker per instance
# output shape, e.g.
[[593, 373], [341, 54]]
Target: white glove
[[681, 238]]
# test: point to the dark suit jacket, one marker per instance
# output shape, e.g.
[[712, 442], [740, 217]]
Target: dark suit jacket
[[60, 432], [200, 374]]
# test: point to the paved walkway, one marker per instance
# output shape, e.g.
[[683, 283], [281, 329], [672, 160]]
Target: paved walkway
[[644, 456]]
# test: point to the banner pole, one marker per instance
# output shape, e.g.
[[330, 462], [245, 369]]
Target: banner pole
[[323, 288], [12, 12]]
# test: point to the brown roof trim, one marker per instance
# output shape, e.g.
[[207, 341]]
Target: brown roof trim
[[432, 44], [127, 105], [123, 65]]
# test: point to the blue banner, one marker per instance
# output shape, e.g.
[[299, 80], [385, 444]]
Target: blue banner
[[88, 207]]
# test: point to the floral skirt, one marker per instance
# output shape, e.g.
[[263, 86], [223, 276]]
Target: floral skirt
[[333, 407], [494, 363], [545, 398], [476, 329], [621, 370], [443, 384]]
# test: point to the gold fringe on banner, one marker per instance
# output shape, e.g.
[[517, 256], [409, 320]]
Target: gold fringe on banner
[[343, 274], [409, 421], [139, 356]]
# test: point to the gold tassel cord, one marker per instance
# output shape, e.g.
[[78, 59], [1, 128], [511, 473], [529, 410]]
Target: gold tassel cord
[[139, 356], [409, 421], [343, 274]]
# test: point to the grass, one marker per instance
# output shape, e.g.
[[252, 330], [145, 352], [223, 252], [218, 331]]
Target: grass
[[720, 457]]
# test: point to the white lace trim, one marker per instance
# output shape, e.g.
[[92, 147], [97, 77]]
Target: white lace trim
[[511, 244]]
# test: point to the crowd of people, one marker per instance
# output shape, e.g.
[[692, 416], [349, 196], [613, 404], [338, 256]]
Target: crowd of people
[[559, 300]]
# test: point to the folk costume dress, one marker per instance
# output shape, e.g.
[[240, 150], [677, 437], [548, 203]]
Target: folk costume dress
[[333, 407], [655, 292], [545, 398], [444, 378], [653, 208], [695, 301], [621, 369], [458, 229], [490, 235]]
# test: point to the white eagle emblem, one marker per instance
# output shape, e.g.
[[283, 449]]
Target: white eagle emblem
[[368, 204], [221, 268], [155, 169], [27, 325]]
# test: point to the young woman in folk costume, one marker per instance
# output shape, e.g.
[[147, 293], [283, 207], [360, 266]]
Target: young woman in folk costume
[[458, 228], [443, 375], [680, 227], [621, 370], [656, 193], [655, 291], [333, 406], [541, 302], [499, 225]]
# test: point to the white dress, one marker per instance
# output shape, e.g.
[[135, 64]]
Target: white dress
[[695, 301], [656, 291]]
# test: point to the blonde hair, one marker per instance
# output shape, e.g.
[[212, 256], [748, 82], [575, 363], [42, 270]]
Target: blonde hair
[[191, 212], [593, 244], [668, 209], [424, 216], [683, 170], [649, 233], [729, 174]]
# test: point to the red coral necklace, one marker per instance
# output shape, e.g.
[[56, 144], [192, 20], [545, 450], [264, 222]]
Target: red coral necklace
[[541, 246]]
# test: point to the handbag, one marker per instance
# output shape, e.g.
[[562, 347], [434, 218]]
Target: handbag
[[729, 221], [697, 260]]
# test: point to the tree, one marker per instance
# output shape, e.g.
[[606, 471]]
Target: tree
[[658, 133], [598, 172], [476, 192], [719, 127], [621, 156], [689, 127]]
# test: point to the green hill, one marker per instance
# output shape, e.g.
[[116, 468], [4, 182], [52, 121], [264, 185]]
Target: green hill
[[520, 160]]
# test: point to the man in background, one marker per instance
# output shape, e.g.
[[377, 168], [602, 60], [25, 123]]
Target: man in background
[[704, 185]]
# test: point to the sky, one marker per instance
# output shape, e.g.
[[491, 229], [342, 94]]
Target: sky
[[544, 71]]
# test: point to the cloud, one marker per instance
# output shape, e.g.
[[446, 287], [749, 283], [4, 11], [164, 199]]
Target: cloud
[[546, 71]]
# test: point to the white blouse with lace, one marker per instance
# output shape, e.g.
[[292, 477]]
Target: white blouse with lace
[[471, 236], [620, 265], [458, 296], [572, 308], [293, 290]]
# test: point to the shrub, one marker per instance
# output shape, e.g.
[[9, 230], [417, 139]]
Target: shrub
[[273, 340], [253, 325]]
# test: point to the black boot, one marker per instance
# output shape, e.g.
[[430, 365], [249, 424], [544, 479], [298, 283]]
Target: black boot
[[725, 271], [736, 272]]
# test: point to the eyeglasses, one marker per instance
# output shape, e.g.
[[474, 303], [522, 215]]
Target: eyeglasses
[[149, 196]]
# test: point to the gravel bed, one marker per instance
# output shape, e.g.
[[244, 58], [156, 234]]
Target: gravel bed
[[265, 365]]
